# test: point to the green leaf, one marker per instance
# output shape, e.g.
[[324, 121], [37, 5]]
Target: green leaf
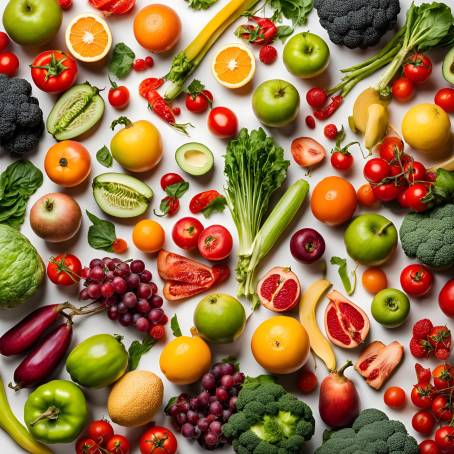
[[101, 235], [231, 360], [122, 60], [195, 88], [344, 275], [217, 205], [137, 349], [177, 190], [200, 4], [171, 401], [295, 10], [260, 379], [175, 326], [104, 157], [284, 31]]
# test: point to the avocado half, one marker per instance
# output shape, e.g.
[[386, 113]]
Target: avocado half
[[448, 66], [194, 158]]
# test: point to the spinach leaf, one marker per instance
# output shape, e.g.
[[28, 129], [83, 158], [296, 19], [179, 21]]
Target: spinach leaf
[[122, 60], [101, 235], [104, 157], [295, 10], [137, 349]]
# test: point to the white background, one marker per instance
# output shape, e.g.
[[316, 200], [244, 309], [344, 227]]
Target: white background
[[240, 103]]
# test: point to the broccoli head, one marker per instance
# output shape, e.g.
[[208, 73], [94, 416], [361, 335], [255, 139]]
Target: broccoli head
[[269, 421], [357, 23], [371, 433], [429, 236]]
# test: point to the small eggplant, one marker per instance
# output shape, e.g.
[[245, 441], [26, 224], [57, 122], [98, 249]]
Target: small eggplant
[[24, 334], [39, 364]]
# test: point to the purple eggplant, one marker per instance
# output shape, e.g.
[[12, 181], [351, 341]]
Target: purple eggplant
[[24, 334], [39, 364]]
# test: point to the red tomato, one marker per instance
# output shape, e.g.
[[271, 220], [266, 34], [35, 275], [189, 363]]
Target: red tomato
[[169, 179], [415, 171], [385, 192], [423, 422], [402, 198], [375, 170], [101, 431], [186, 232], [443, 376], [421, 396], [418, 68], [158, 440], [215, 243], [118, 96], [395, 397], [416, 280], [9, 64], [391, 148], [222, 122], [444, 437], [316, 97], [402, 89], [446, 298], [54, 71], [428, 447], [202, 200], [118, 444], [4, 41], [445, 99], [341, 161], [200, 102], [64, 269], [414, 196], [366, 196], [307, 381], [115, 7], [87, 446], [442, 408]]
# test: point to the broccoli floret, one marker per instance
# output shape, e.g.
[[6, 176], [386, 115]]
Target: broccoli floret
[[368, 416], [357, 23], [429, 236]]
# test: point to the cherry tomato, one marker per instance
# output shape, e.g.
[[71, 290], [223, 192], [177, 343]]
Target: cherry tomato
[[442, 408], [415, 171], [375, 170], [215, 243], [200, 102], [366, 195], [414, 196], [119, 246], [416, 280], [395, 397], [443, 376], [118, 95], [423, 422], [64, 270], [445, 99], [101, 431], [186, 232], [402, 198], [341, 161], [446, 298], [203, 200], [385, 192], [306, 381], [391, 149], [4, 41], [402, 89], [118, 444], [168, 207], [54, 71], [116, 7], [87, 446], [169, 179], [158, 440], [428, 447], [316, 97], [222, 122], [422, 396], [9, 64], [444, 437], [418, 68], [374, 279], [139, 64]]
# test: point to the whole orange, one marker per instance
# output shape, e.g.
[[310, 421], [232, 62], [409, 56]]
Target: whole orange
[[280, 345], [157, 27], [333, 200], [67, 163], [148, 235]]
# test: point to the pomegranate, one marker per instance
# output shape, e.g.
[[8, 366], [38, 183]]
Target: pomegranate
[[279, 290], [378, 361], [346, 324], [338, 401]]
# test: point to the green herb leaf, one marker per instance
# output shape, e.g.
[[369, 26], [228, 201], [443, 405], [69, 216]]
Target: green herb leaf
[[344, 275], [101, 235], [295, 10], [284, 31], [200, 4], [137, 349], [171, 401], [195, 88], [217, 205], [104, 157], [122, 60], [177, 190], [175, 326], [260, 379]]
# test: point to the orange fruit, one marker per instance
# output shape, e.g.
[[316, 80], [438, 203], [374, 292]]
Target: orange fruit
[[88, 37], [366, 196], [185, 359], [374, 279], [233, 66], [333, 200], [280, 345], [157, 28], [148, 235]]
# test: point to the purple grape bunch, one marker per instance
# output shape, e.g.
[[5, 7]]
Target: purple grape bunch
[[127, 292], [201, 416]]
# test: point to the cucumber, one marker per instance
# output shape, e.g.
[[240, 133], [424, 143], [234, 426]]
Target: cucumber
[[76, 112], [120, 195]]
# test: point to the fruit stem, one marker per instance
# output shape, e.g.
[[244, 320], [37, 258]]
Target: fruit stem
[[341, 371], [51, 413], [382, 230], [121, 121]]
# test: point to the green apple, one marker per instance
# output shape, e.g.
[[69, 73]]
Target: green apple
[[370, 239], [306, 55], [276, 103], [220, 318], [390, 307], [32, 22]]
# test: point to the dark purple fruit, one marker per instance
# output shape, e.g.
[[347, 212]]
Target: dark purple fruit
[[307, 245]]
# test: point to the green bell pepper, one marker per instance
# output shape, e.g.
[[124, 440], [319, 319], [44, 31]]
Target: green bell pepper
[[98, 361], [56, 412]]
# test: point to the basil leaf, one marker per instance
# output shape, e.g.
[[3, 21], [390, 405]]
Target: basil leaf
[[104, 157], [177, 190], [175, 326], [101, 235], [122, 60], [344, 275], [216, 205], [137, 349]]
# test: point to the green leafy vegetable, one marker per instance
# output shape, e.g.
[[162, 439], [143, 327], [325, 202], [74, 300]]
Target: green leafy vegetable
[[101, 235], [104, 157], [18, 182], [177, 190], [200, 4], [122, 60], [284, 31], [295, 10], [349, 286], [175, 326], [217, 205], [137, 349]]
